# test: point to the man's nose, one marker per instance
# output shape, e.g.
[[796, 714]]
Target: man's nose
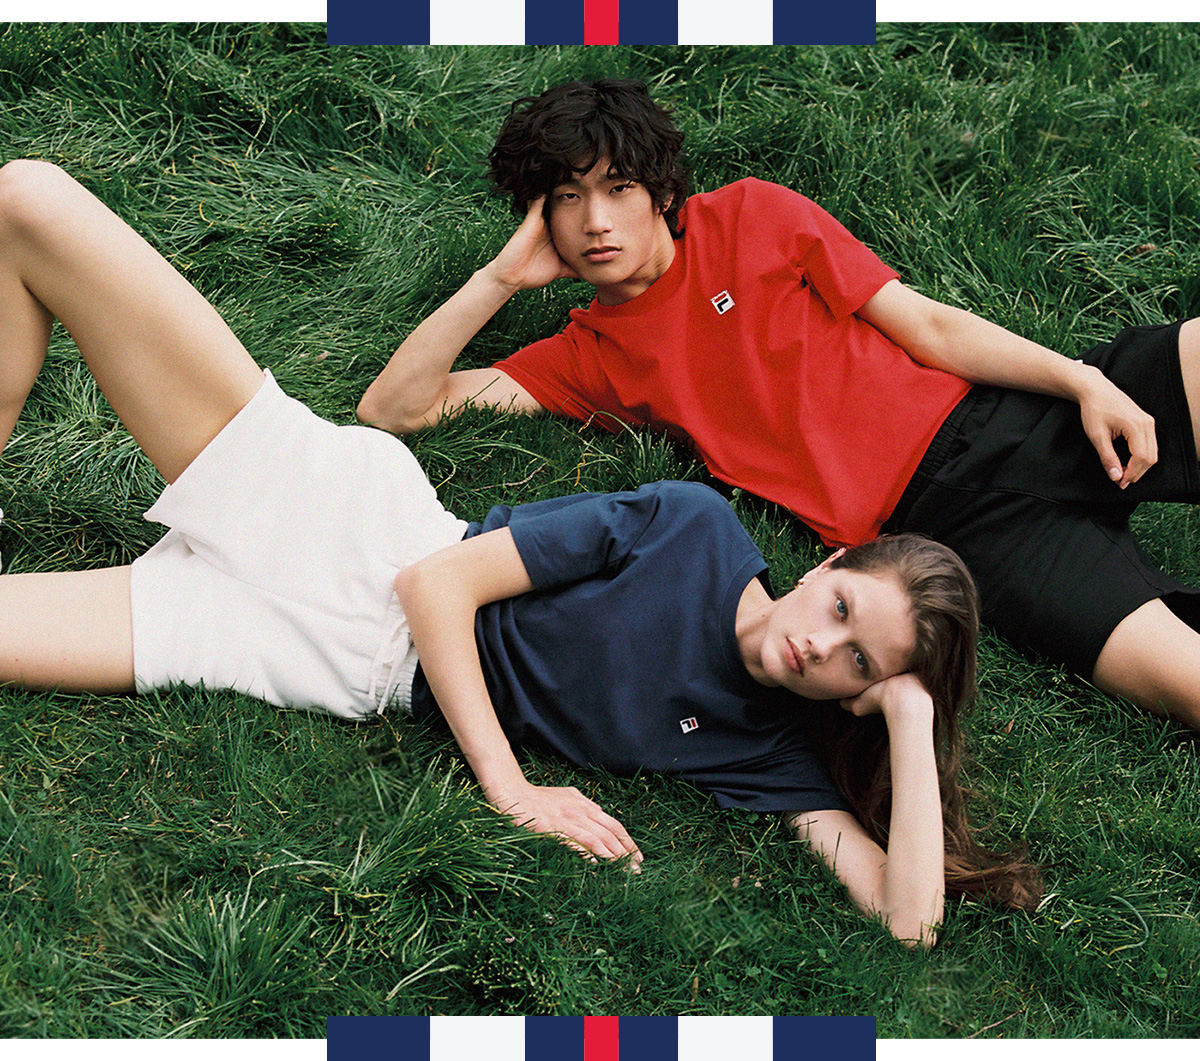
[[597, 219]]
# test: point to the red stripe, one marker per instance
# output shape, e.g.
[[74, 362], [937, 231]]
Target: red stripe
[[600, 20], [601, 1035]]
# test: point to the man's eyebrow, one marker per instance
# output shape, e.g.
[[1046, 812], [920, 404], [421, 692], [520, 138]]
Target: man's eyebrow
[[848, 597]]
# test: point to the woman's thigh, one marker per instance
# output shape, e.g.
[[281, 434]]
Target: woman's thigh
[[172, 369], [67, 630]]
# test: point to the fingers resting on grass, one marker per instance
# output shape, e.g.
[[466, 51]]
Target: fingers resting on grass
[[567, 813]]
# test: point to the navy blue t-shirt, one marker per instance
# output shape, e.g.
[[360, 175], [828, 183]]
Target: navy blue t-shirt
[[625, 657]]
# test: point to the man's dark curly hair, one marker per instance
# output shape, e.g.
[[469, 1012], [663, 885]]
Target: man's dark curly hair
[[547, 139]]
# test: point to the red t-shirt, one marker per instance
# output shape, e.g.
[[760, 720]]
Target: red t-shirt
[[748, 346]]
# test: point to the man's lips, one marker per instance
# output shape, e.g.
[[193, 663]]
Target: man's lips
[[601, 254]]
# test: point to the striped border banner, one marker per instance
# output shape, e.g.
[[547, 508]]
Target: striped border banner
[[599, 22], [599, 1038]]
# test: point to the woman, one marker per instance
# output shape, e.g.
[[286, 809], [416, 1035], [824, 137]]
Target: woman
[[312, 565]]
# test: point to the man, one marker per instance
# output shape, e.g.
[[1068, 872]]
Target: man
[[752, 323]]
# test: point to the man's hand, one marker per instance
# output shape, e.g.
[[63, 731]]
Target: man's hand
[[529, 259], [568, 814], [1108, 413], [979, 351]]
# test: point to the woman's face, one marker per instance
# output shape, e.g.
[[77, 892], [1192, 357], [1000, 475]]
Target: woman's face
[[838, 632]]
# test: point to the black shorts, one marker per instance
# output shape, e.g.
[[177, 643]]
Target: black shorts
[[1013, 485]]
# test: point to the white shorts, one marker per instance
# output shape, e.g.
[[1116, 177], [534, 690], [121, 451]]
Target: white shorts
[[275, 578]]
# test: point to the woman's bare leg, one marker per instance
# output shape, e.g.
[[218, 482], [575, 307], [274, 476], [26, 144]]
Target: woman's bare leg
[[67, 630], [24, 334], [168, 364], [171, 368]]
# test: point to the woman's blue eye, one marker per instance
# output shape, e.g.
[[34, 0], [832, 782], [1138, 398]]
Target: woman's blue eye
[[860, 661]]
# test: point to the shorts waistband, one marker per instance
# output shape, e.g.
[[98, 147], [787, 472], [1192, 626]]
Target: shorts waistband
[[940, 450]]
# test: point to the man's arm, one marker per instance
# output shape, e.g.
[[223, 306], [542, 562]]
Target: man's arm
[[417, 387], [904, 886], [440, 596], [956, 341]]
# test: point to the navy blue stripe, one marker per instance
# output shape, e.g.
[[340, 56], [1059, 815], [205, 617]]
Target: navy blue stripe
[[355, 1038], [553, 1039], [378, 21], [848, 22], [649, 22], [550, 22], [649, 1038], [847, 1038]]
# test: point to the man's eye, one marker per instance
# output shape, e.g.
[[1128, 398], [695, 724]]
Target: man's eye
[[842, 610]]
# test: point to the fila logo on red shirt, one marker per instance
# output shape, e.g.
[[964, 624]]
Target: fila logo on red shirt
[[723, 302], [688, 724]]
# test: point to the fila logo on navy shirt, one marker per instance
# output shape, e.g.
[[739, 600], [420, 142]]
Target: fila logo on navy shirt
[[688, 724], [723, 302]]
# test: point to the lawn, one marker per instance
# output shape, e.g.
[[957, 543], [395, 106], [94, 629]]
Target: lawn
[[201, 864]]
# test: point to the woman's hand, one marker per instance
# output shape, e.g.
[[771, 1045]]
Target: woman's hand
[[529, 259], [904, 885], [568, 814], [899, 695]]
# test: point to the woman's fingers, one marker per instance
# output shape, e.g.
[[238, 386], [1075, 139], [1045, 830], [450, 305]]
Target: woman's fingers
[[578, 821]]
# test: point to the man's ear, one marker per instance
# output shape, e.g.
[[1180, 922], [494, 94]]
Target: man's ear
[[666, 204]]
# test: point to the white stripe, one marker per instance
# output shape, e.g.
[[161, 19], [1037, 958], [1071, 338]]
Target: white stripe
[[464, 1038], [722, 1038], [475, 21], [722, 22]]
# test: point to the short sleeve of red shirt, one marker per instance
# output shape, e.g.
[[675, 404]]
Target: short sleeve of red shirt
[[841, 269], [549, 370]]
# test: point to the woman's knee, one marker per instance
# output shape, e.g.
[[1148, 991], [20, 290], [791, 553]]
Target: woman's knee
[[31, 194]]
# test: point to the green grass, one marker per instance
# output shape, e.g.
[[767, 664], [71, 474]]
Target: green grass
[[199, 864]]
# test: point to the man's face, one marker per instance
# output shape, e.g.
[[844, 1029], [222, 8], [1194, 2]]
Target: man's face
[[609, 231], [838, 632]]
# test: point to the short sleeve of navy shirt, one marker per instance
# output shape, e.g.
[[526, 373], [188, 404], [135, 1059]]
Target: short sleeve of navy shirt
[[624, 656]]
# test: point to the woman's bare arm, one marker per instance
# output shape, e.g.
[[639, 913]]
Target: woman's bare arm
[[440, 596], [905, 885]]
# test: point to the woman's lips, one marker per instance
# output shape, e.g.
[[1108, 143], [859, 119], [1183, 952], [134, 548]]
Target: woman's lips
[[794, 659]]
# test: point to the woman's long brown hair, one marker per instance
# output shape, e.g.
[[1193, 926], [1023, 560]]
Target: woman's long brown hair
[[945, 608]]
